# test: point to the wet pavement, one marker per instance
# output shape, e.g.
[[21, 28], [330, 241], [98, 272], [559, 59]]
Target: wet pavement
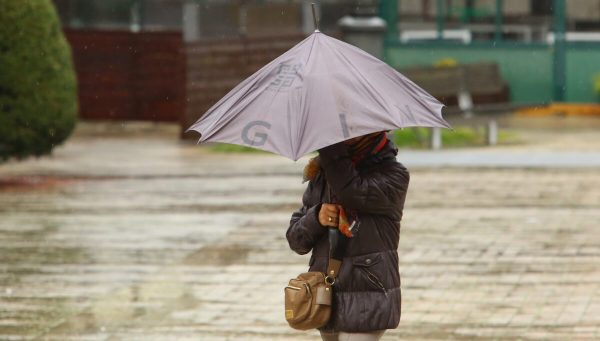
[[143, 238]]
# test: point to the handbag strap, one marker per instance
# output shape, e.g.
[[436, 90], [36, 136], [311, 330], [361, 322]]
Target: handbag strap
[[333, 264]]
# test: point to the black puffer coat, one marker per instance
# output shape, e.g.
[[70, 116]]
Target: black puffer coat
[[367, 291]]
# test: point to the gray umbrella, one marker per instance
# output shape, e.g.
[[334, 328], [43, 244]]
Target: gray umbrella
[[320, 92]]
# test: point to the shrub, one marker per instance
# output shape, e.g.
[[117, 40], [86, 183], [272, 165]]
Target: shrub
[[38, 95], [597, 84]]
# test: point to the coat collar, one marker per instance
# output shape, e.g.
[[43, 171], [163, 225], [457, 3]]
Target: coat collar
[[387, 153]]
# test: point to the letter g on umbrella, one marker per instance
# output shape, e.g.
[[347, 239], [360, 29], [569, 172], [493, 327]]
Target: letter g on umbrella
[[259, 137]]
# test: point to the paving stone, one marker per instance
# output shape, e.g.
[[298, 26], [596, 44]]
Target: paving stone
[[178, 243]]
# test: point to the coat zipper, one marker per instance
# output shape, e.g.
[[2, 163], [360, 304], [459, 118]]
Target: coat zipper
[[373, 279]]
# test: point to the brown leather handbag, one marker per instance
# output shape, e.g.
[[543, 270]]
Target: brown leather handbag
[[308, 297]]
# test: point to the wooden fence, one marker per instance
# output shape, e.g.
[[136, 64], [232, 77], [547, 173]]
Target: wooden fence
[[155, 76], [129, 76]]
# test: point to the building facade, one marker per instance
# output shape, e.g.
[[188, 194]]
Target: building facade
[[169, 60]]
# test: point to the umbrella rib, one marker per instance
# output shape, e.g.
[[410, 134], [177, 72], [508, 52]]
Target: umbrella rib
[[377, 98], [311, 47], [291, 106], [277, 90], [303, 119], [419, 95], [415, 91], [226, 119]]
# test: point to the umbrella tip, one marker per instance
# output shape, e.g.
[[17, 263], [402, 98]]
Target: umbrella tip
[[315, 19]]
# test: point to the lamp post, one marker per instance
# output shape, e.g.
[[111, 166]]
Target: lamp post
[[559, 51], [388, 11]]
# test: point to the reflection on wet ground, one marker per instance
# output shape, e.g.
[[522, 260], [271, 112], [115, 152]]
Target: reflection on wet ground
[[192, 247]]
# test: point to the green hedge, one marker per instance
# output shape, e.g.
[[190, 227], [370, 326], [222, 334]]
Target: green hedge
[[38, 91]]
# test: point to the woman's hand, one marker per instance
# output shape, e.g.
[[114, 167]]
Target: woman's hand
[[328, 215]]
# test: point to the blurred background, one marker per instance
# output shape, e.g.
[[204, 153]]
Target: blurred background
[[114, 225], [170, 60], [496, 40]]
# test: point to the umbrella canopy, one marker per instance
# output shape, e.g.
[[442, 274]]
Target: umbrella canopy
[[320, 92]]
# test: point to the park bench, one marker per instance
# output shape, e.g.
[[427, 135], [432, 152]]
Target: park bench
[[461, 88]]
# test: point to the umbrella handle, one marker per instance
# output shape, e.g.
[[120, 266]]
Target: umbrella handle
[[315, 19]]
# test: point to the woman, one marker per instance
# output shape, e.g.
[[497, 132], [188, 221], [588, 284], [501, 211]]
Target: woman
[[368, 186]]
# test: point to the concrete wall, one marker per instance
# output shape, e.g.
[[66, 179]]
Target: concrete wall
[[583, 64]]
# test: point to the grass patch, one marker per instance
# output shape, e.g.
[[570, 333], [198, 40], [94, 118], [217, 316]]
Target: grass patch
[[459, 137], [233, 148], [508, 137]]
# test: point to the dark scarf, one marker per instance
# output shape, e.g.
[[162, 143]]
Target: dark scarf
[[368, 146]]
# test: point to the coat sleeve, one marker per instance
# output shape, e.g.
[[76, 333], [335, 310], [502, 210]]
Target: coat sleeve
[[305, 230], [378, 192]]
